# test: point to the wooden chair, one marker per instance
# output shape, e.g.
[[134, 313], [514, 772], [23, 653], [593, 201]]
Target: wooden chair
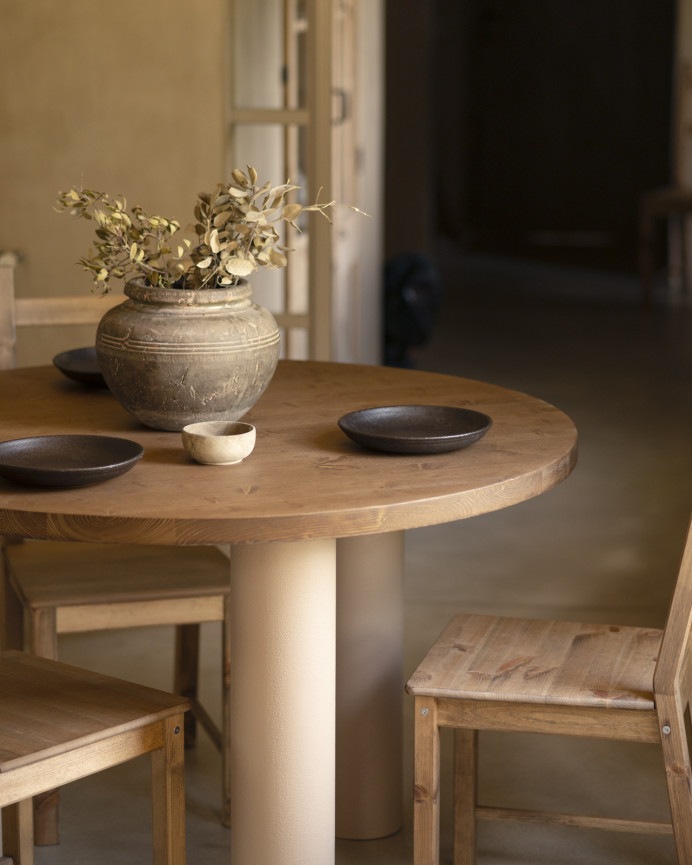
[[58, 724], [53, 588], [523, 675], [672, 203]]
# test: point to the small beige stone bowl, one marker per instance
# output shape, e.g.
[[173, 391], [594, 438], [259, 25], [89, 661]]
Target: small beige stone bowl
[[219, 442]]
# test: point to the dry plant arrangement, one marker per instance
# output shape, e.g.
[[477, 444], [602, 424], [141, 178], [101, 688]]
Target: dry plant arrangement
[[236, 228]]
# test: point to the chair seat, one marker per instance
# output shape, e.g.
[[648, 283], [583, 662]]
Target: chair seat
[[59, 724], [540, 661], [64, 573], [48, 709]]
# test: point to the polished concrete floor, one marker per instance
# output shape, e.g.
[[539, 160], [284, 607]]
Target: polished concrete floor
[[604, 546]]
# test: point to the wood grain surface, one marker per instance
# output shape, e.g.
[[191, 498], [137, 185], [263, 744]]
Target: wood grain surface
[[47, 709], [305, 478], [541, 661]]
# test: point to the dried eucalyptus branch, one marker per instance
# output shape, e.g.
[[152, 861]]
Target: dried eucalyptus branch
[[126, 246], [236, 229]]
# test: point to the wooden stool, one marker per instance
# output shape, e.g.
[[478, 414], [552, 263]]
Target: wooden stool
[[537, 676], [58, 724]]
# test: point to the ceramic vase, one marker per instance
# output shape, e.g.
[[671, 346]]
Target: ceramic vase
[[173, 356]]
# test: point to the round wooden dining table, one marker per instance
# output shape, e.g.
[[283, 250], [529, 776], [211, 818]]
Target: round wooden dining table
[[316, 525]]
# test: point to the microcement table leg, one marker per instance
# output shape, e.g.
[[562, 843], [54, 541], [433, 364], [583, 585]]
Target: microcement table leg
[[283, 598], [369, 685]]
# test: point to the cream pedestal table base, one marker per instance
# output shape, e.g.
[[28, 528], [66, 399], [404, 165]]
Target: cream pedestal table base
[[369, 694], [294, 631], [283, 626]]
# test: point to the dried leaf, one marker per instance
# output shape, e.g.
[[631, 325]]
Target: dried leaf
[[277, 259], [239, 266], [280, 191], [291, 212]]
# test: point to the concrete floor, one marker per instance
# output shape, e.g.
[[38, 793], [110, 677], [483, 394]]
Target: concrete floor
[[604, 546]]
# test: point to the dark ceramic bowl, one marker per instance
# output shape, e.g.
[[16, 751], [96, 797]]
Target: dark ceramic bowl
[[80, 364], [67, 460], [415, 429]]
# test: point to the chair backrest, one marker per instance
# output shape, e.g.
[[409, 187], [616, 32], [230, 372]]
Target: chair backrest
[[673, 676], [682, 124], [14, 311]]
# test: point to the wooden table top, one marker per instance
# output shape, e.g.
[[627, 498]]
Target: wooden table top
[[305, 478]]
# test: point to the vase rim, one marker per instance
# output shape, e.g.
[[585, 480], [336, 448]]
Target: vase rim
[[139, 289]]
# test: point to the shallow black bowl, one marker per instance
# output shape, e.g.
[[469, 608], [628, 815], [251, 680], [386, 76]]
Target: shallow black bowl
[[80, 364], [415, 429], [67, 460]]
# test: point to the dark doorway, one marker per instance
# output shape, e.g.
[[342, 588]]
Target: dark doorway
[[547, 120]]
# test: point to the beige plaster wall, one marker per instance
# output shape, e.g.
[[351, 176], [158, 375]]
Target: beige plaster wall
[[125, 96]]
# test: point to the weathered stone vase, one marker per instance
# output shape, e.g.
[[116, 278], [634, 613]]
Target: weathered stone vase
[[173, 356]]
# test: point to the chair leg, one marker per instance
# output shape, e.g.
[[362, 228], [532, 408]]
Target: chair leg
[[676, 758], [186, 674], [226, 714], [465, 787], [168, 794], [11, 616], [18, 832], [426, 784], [43, 634], [676, 254], [43, 641], [645, 252], [684, 263]]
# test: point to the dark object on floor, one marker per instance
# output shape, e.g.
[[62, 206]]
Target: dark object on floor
[[412, 298]]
